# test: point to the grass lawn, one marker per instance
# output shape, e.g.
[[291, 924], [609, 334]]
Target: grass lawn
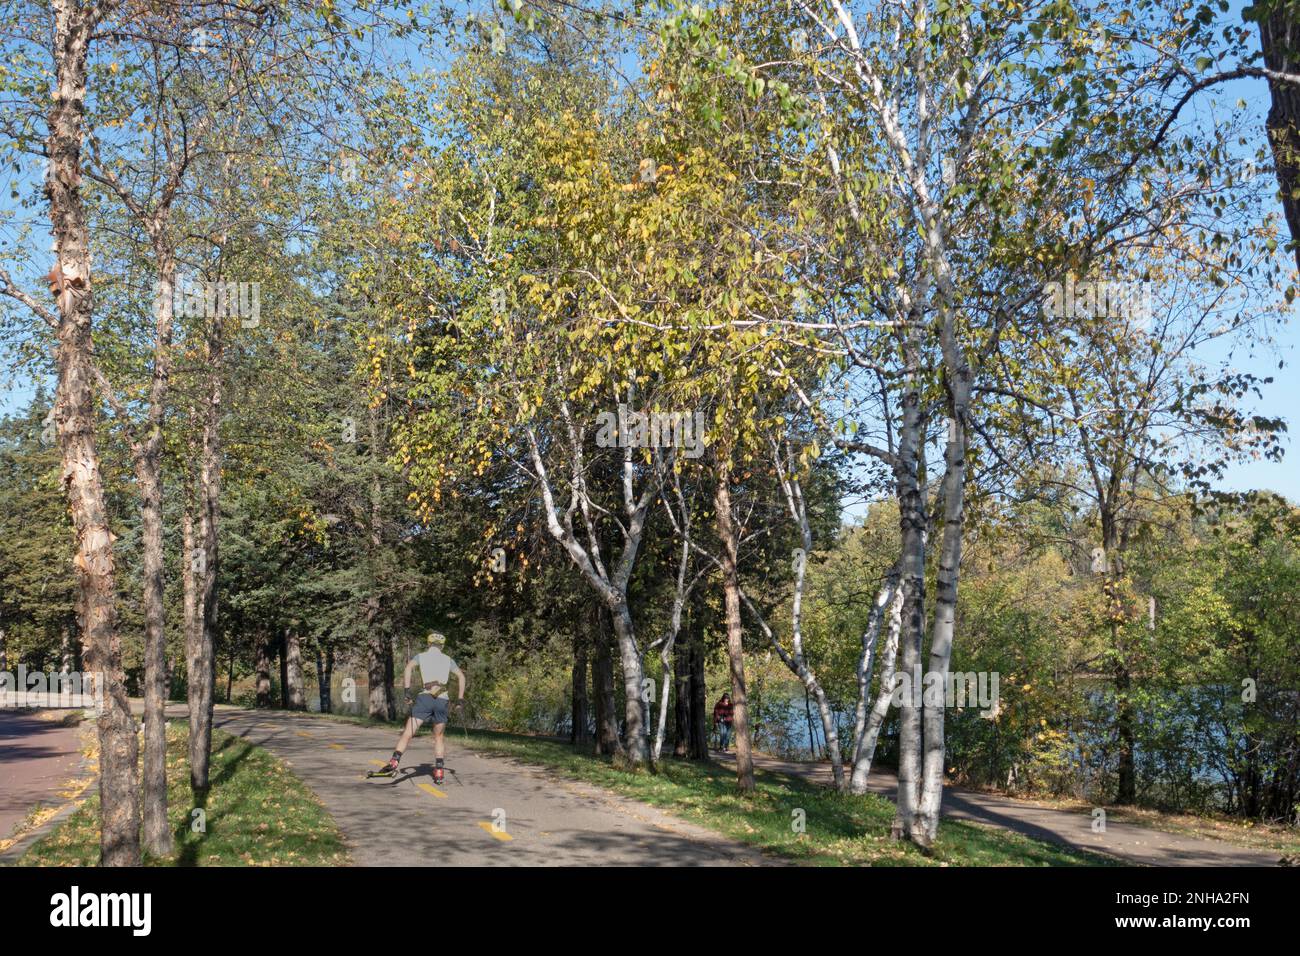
[[839, 829], [258, 814]]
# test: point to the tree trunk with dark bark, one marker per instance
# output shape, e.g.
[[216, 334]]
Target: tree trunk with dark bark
[[1125, 711], [579, 734], [699, 748], [1279, 38], [378, 703], [390, 685], [295, 694], [602, 673], [1126, 731], [325, 679], [262, 651], [682, 699]]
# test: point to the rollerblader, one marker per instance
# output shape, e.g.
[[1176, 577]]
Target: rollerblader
[[431, 704]]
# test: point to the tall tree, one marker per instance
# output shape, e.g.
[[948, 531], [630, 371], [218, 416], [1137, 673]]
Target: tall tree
[[71, 284]]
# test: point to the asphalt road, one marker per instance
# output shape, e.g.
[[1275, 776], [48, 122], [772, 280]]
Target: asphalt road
[[37, 758], [492, 811]]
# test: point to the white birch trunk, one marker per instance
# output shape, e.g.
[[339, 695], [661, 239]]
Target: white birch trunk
[[912, 524], [867, 659], [612, 588], [945, 612], [865, 749], [795, 659], [667, 643]]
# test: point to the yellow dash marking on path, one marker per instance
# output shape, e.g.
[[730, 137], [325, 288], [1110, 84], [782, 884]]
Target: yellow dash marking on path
[[499, 834], [336, 747], [303, 733], [430, 788], [380, 763]]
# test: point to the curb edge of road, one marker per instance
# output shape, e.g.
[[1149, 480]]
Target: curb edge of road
[[28, 838], [11, 856]]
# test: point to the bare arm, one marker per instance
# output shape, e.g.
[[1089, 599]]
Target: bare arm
[[406, 675], [460, 682]]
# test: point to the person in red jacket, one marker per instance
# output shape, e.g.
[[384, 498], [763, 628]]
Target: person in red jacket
[[722, 717]]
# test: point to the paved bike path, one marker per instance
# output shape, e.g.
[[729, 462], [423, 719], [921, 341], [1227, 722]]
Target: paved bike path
[[492, 811]]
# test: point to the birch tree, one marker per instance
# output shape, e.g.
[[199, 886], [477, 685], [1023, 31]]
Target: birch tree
[[869, 715], [155, 83], [679, 508], [970, 155], [787, 467], [71, 30], [503, 281]]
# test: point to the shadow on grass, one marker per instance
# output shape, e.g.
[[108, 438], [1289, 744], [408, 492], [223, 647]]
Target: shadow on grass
[[227, 768], [787, 816]]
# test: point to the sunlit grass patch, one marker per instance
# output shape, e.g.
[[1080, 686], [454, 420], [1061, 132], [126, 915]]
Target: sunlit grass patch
[[256, 813]]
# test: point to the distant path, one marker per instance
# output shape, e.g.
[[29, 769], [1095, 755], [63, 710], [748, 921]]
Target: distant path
[[545, 819], [37, 758], [1127, 841]]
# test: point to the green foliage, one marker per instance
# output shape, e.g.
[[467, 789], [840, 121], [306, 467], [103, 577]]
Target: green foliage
[[37, 585]]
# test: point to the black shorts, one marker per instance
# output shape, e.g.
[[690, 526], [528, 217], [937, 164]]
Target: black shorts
[[429, 708]]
